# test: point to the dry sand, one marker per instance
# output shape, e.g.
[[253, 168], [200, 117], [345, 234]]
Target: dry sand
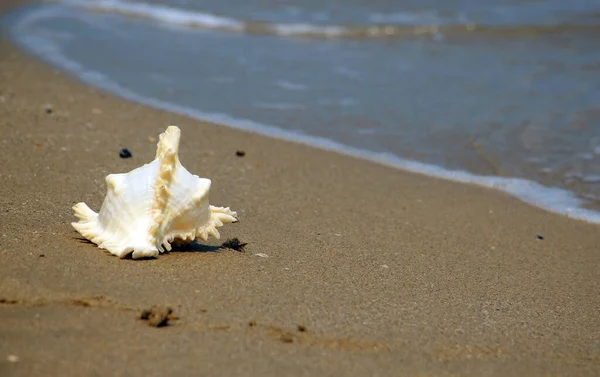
[[387, 273]]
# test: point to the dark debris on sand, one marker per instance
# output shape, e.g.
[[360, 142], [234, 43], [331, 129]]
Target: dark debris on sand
[[235, 244], [157, 316], [125, 153]]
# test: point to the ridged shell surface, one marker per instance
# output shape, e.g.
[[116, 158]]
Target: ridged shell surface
[[147, 209]]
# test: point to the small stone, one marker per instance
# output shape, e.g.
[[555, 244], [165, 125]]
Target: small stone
[[125, 153], [240, 153], [301, 328], [252, 323], [262, 255], [145, 314], [49, 110], [12, 358], [157, 316], [539, 236], [235, 244]]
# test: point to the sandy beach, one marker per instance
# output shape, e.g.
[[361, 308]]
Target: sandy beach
[[368, 270]]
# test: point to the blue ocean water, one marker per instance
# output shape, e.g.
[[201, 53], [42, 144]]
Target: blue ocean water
[[500, 93]]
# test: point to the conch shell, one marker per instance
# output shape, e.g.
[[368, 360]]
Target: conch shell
[[151, 206]]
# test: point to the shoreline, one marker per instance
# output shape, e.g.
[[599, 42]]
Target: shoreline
[[388, 271], [554, 199]]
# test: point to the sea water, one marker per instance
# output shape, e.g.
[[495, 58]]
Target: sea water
[[501, 93]]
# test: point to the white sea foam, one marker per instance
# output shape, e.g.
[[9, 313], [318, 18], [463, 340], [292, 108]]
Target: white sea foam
[[197, 19], [204, 20], [398, 24], [160, 13], [552, 199], [291, 29]]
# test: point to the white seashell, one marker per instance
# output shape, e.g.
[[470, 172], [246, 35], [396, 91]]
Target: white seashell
[[151, 206]]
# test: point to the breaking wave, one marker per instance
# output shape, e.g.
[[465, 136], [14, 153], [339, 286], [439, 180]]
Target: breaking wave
[[409, 25]]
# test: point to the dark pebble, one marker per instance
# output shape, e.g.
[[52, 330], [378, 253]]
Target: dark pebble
[[234, 244], [539, 236], [240, 153], [125, 153], [49, 110], [157, 316]]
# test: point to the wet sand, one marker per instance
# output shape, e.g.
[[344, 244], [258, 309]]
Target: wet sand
[[369, 270]]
